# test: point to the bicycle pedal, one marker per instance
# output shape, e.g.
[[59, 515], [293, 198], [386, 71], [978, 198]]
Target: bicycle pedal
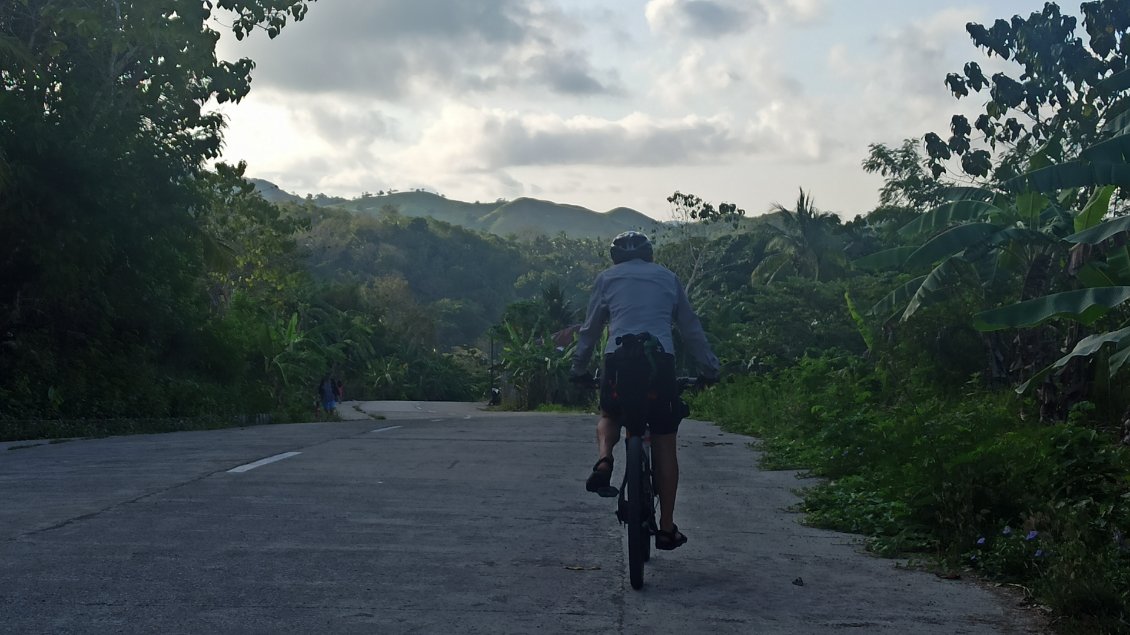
[[608, 492]]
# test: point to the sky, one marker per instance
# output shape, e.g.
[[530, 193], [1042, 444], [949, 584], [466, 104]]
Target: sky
[[602, 103]]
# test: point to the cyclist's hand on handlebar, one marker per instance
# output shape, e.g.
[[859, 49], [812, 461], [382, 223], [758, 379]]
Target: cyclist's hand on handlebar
[[584, 380]]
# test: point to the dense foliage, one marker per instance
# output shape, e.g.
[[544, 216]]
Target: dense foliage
[[137, 282], [106, 212]]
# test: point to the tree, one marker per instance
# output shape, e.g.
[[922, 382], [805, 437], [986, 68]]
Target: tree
[[693, 217], [104, 195], [559, 311], [1057, 166], [804, 241], [1055, 106], [906, 182]]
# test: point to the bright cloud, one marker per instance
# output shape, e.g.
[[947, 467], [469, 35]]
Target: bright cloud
[[395, 49], [599, 103]]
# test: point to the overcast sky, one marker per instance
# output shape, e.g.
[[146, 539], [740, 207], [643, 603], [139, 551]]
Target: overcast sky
[[601, 103]]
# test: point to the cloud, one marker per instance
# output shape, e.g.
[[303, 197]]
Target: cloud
[[702, 18], [733, 76], [908, 63], [474, 140], [796, 11], [481, 140], [398, 49], [716, 18], [570, 73]]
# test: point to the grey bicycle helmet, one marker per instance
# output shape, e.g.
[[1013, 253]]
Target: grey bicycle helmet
[[630, 245]]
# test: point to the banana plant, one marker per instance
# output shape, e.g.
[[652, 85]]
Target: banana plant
[[534, 365], [1106, 286], [972, 241], [1103, 272]]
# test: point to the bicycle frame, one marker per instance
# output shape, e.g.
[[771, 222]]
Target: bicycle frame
[[636, 500]]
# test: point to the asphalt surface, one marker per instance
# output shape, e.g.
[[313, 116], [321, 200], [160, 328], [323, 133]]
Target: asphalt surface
[[438, 518]]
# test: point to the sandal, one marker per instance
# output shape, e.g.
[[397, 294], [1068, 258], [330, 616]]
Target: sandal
[[670, 540], [600, 480]]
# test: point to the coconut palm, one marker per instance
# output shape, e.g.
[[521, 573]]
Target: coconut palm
[[803, 244]]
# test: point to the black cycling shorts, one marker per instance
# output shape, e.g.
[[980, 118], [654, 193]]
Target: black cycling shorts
[[641, 384]]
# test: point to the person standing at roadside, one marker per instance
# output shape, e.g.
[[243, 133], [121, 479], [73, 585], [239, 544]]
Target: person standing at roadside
[[327, 394]]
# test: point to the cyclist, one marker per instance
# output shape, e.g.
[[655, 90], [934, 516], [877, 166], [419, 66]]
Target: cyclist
[[636, 296]]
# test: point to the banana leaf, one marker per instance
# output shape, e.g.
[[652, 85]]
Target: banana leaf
[[1087, 347], [1096, 208], [1119, 358], [1118, 264], [1100, 232], [946, 276], [950, 242], [896, 300], [1081, 305], [1091, 275], [1072, 174], [947, 214], [1113, 150], [886, 259], [866, 330], [1114, 272], [1029, 205], [1117, 118], [1116, 83], [1020, 235], [964, 193]]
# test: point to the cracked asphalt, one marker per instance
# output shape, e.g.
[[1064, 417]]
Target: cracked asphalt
[[438, 517]]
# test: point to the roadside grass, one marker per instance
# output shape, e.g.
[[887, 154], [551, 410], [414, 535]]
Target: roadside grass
[[960, 481]]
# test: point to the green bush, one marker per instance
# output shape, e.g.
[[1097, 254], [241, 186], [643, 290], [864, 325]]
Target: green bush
[[965, 478]]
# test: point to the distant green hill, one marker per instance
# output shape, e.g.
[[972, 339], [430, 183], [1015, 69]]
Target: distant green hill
[[273, 193], [523, 217], [528, 216], [424, 204]]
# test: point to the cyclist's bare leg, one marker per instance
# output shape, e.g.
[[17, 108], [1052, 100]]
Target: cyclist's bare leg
[[666, 464], [607, 436]]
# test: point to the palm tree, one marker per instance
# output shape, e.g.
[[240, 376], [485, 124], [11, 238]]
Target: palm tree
[[804, 242], [557, 307]]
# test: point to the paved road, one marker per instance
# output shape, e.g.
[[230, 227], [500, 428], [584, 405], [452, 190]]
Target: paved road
[[438, 518]]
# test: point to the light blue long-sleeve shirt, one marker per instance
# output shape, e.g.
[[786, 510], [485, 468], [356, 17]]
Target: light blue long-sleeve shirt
[[637, 296]]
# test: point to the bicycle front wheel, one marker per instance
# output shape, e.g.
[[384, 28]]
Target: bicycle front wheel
[[637, 532]]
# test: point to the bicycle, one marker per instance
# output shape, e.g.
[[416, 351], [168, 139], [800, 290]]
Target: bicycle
[[637, 495]]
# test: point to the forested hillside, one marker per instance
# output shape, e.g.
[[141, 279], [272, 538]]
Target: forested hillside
[[520, 218]]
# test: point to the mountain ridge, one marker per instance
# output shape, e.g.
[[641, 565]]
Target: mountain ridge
[[523, 216]]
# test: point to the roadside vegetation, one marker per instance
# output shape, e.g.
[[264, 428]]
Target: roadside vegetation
[[953, 364]]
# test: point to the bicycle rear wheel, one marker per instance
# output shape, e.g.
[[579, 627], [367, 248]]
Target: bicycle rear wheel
[[637, 532], [647, 508]]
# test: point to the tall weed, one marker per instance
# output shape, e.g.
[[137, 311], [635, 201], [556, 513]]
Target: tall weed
[[961, 477]]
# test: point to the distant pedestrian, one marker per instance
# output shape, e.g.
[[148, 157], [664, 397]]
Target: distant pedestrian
[[339, 390], [327, 394]]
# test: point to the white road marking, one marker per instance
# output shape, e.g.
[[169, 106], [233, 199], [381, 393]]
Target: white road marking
[[262, 462], [383, 429]]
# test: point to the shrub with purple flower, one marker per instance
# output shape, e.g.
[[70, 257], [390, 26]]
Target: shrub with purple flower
[[1010, 555]]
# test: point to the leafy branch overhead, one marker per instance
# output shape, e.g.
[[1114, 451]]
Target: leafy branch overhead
[[1053, 107]]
